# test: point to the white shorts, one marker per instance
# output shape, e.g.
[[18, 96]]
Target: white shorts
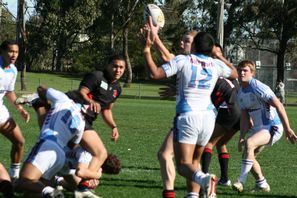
[[48, 157], [4, 114], [275, 131], [195, 127], [73, 158]]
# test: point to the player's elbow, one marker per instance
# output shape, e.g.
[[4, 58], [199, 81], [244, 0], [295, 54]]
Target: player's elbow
[[234, 75]]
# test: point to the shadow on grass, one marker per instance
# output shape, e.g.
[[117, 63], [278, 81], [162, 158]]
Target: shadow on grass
[[137, 183], [243, 195], [140, 168], [146, 97]]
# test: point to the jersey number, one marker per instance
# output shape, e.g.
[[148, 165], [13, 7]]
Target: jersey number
[[72, 121], [203, 83]]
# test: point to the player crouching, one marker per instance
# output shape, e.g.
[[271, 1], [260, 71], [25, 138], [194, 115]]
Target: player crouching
[[78, 178]]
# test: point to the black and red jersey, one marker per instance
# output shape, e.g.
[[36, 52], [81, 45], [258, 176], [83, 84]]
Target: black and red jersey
[[225, 91], [101, 89]]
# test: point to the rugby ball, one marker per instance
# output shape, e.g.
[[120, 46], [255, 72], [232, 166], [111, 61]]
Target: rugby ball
[[156, 13]]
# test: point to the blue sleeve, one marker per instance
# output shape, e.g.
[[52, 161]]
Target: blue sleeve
[[262, 91], [174, 65]]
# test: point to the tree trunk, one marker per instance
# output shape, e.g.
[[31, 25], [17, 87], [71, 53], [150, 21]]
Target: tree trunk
[[112, 33], [280, 66], [129, 67], [20, 37]]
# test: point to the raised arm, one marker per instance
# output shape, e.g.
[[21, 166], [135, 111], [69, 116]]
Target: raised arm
[[218, 54], [155, 71]]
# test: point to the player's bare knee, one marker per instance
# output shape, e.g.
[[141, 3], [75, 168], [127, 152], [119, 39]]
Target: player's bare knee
[[164, 156]]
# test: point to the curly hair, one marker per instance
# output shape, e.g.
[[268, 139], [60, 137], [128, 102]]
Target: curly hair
[[112, 165]]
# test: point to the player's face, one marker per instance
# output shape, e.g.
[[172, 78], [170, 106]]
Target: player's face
[[11, 54], [245, 74], [118, 68], [186, 43]]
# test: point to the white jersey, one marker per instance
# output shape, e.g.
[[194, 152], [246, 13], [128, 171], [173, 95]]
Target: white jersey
[[197, 75], [255, 100], [64, 121], [7, 79]]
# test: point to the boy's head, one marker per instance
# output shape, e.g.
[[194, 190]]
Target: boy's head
[[112, 165], [204, 43]]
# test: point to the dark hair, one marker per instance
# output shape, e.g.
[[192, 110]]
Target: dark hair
[[112, 165], [204, 43], [116, 57], [4, 45], [219, 46]]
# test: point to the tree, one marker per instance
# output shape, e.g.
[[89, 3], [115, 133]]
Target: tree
[[62, 22], [21, 39], [268, 25], [274, 21]]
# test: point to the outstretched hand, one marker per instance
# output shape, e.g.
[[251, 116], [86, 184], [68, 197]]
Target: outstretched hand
[[168, 91], [291, 136], [148, 33]]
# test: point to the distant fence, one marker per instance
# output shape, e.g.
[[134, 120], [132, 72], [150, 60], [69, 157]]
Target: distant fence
[[268, 75]]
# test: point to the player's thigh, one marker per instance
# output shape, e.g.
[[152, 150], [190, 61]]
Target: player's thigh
[[184, 152], [217, 134], [92, 143], [30, 172], [259, 138], [12, 131]]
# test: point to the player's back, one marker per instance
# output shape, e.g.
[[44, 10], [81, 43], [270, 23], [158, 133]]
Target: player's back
[[196, 82], [64, 120]]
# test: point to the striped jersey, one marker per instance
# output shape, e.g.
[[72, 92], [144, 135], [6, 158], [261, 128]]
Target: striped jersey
[[7, 79], [255, 100], [197, 75]]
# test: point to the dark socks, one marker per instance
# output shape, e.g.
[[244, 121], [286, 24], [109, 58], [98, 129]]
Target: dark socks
[[206, 159], [224, 161]]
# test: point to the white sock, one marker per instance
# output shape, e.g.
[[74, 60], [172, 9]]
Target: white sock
[[198, 177], [246, 166], [58, 180], [262, 183], [192, 195], [46, 190], [14, 170]]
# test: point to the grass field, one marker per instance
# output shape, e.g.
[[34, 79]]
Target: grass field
[[143, 124]]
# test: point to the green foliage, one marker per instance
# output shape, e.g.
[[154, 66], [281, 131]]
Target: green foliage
[[8, 24]]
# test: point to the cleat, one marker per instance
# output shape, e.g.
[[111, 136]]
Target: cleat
[[237, 186], [209, 186], [224, 182], [60, 188], [55, 194], [27, 99], [261, 189], [86, 193]]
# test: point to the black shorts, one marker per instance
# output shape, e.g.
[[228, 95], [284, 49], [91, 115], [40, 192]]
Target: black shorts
[[229, 118]]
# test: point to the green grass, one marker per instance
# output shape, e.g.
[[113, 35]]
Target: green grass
[[143, 124]]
